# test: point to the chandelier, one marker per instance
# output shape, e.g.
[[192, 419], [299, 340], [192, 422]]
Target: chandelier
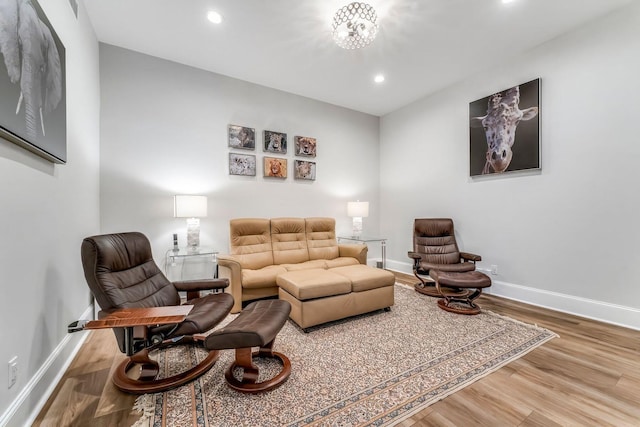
[[355, 25]]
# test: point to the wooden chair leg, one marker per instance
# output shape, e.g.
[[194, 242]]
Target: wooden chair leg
[[468, 299], [149, 368], [249, 381], [432, 290], [244, 360], [424, 287]]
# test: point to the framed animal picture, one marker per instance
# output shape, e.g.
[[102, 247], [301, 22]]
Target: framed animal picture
[[275, 142], [504, 131], [305, 146], [242, 137], [242, 164], [305, 170], [275, 167], [33, 112]]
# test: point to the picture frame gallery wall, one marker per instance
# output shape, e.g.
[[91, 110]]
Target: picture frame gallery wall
[[275, 163]]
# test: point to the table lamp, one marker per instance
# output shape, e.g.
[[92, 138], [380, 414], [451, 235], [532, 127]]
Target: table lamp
[[357, 210], [193, 208]]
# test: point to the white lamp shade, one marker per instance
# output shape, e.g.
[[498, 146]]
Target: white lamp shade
[[189, 206], [358, 209]]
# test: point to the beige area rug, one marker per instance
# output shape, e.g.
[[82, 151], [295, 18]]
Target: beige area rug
[[376, 369]]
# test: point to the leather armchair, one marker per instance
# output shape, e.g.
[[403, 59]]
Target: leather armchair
[[435, 248], [125, 280]]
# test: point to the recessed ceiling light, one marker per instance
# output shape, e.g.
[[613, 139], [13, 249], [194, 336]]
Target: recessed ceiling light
[[214, 17], [379, 78]]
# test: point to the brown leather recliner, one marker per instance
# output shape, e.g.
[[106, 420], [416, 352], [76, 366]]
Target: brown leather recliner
[[435, 248], [122, 274]]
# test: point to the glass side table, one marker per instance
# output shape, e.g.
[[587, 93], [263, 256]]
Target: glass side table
[[200, 256], [367, 239]]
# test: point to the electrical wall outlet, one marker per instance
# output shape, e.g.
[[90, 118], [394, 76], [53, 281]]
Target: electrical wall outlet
[[494, 269], [13, 371]]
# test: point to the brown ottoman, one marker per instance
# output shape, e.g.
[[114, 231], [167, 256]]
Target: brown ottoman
[[470, 282], [256, 326]]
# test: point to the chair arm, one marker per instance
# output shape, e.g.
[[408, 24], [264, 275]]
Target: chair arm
[[230, 268], [470, 257], [193, 287], [354, 250], [201, 284], [416, 259]]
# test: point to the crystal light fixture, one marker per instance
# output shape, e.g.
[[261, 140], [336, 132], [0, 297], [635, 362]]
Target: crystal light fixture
[[355, 25]]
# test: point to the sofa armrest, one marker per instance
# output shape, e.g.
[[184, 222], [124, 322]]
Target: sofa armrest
[[354, 250], [230, 268]]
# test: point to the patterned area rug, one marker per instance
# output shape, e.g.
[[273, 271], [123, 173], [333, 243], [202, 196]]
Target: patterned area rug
[[376, 369]]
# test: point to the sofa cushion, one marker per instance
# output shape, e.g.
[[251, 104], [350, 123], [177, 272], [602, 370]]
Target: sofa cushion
[[364, 278], [250, 242], [341, 262], [288, 241], [316, 263], [314, 283], [322, 263], [321, 238], [264, 277]]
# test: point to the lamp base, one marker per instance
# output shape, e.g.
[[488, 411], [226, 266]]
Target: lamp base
[[357, 226], [193, 232]]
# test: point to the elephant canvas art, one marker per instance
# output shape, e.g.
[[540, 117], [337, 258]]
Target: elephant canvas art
[[32, 83]]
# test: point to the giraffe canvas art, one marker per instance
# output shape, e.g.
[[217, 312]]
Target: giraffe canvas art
[[495, 146]]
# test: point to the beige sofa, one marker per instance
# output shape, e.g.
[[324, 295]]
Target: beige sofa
[[263, 249]]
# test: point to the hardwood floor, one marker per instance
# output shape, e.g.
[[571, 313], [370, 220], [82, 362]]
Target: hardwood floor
[[589, 376]]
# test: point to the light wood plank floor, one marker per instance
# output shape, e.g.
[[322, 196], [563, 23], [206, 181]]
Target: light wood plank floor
[[589, 376]]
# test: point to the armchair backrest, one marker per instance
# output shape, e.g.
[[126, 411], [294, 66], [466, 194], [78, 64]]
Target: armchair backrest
[[289, 241], [321, 238], [435, 241], [250, 242], [121, 272]]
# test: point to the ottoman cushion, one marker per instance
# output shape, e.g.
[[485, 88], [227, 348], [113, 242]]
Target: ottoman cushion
[[256, 325], [313, 283], [468, 279], [364, 278]]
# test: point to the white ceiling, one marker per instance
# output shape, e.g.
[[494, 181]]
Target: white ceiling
[[422, 45]]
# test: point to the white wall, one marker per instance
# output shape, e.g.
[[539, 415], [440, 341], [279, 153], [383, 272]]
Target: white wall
[[566, 237], [46, 211], [164, 132]]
